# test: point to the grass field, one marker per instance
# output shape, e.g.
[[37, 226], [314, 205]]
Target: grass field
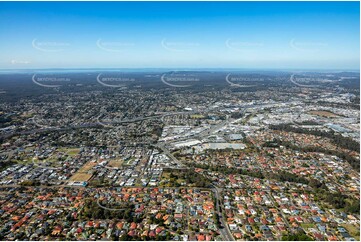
[[116, 163], [80, 177], [83, 173], [172, 182], [52, 160], [353, 230], [307, 226], [69, 151], [197, 116], [129, 162], [325, 114]]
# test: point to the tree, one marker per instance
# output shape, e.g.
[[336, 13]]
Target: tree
[[301, 236]]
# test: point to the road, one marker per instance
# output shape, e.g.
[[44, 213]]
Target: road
[[214, 128], [274, 202], [282, 214], [225, 232], [168, 153], [110, 209], [91, 125]]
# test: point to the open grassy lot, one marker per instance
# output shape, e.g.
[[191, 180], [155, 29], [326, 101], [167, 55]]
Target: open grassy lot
[[326, 114], [168, 180], [69, 151], [129, 162], [80, 177], [353, 230], [83, 173], [197, 116], [307, 226], [116, 163]]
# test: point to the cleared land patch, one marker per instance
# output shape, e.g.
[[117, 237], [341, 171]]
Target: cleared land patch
[[326, 114], [116, 163], [83, 173]]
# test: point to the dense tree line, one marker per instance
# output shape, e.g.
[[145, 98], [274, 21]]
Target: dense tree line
[[339, 201], [30, 183], [354, 162], [307, 122], [228, 170], [236, 115], [336, 200], [190, 177], [355, 104], [300, 236], [337, 139], [126, 237], [285, 176], [92, 210], [4, 121], [282, 176], [6, 164]]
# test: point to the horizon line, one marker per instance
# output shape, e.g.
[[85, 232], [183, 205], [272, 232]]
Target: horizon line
[[180, 69]]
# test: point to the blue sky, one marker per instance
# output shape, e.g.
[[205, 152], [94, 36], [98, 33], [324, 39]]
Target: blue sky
[[280, 35]]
